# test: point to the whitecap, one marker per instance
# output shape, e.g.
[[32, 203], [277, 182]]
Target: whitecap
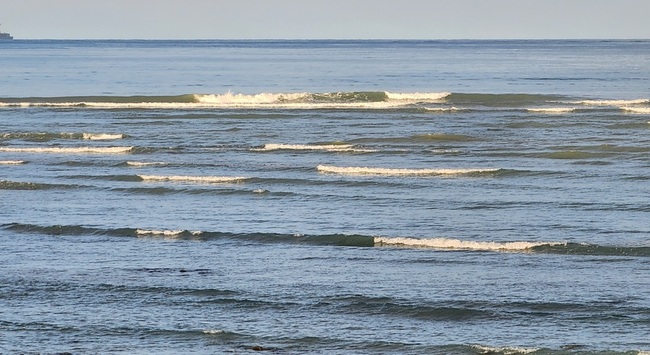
[[69, 150], [12, 162], [141, 164], [321, 147], [614, 102], [232, 99], [443, 109], [193, 179], [417, 96], [165, 233], [447, 243], [504, 350], [552, 110], [641, 110], [102, 136], [397, 171], [214, 331]]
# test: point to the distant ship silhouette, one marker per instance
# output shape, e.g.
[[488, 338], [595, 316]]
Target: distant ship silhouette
[[5, 36]]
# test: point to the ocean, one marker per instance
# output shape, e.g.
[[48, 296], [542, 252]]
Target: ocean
[[325, 197]]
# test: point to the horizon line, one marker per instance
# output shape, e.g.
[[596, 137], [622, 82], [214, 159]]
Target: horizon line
[[343, 39]]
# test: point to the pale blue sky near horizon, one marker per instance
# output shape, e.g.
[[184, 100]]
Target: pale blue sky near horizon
[[320, 19]]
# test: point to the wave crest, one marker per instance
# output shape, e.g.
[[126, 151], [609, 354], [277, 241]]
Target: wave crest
[[69, 150], [446, 243], [399, 171], [192, 179], [313, 147]]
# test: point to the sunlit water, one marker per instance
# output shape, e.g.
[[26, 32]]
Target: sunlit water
[[466, 197]]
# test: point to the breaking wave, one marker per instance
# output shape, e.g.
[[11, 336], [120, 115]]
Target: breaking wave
[[552, 110], [365, 100], [349, 240], [441, 102], [48, 136], [68, 150], [139, 164], [445, 243], [400, 172], [102, 136], [313, 147], [641, 110], [192, 179]]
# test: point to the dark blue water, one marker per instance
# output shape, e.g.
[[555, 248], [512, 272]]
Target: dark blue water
[[436, 197]]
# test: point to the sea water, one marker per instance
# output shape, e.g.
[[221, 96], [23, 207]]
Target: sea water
[[395, 197]]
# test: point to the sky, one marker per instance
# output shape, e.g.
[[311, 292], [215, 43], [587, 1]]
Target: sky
[[326, 19]]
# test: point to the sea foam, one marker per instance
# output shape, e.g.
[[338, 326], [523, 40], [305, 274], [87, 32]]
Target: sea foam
[[614, 102], [418, 96], [641, 110], [552, 110], [166, 233], [504, 350], [69, 150], [139, 164], [102, 136], [316, 147], [446, 243], [192, 179], [397, 172]]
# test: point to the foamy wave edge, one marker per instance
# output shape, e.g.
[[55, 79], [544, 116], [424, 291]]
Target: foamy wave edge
[[69, 150], [614, 102], [315, 147], [165, 233], [303, 100], [398, 172], [457, 244], [139, 164], [102, 136], [504, 350], [552, 110], [641, 110], [192, 179]]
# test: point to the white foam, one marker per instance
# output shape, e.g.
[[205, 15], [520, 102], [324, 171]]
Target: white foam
[[614, 102], [443, 109], [552, 110], [505, 350], [165, 233], [194, 179], [446, 243], [390, 171], [323, 147], [12, 162], [138, 164], [102, 136], [446, 151], [298, 101], [262, 100], [69, 150], [642, 110], [213, 331], [417, 96], [230, 99]]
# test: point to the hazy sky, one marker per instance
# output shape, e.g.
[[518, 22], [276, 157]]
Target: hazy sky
[[350, 19]]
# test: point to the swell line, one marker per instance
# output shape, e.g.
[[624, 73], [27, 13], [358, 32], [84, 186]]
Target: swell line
[[432, 102], [344, 240]]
